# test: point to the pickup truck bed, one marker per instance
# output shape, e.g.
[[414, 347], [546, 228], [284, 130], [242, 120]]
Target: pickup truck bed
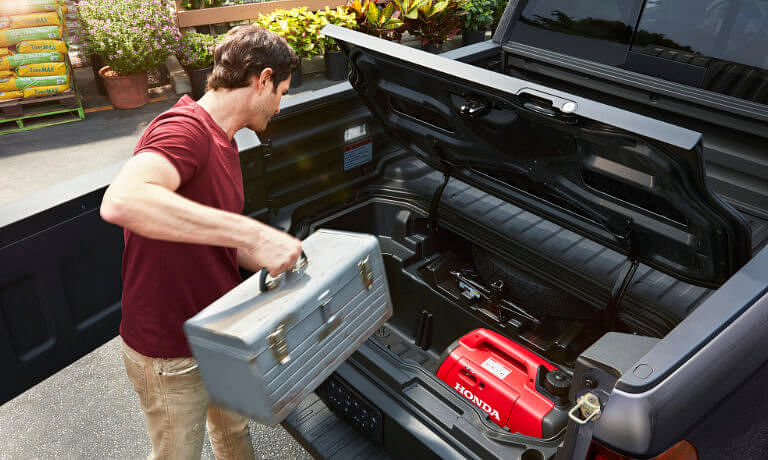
[[64, 294]]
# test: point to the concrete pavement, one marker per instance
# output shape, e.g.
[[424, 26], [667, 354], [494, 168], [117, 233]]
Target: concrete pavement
[[89, 411]]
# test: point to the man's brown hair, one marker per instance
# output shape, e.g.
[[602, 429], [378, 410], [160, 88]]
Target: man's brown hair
[[245, 52]]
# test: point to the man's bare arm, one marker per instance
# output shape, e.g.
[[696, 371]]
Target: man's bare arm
[[247, 259], [142, 199]]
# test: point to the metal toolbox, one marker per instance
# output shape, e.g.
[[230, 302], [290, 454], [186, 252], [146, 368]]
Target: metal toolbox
[[266, 344]]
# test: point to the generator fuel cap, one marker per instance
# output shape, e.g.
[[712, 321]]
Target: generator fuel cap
[[557, 382]]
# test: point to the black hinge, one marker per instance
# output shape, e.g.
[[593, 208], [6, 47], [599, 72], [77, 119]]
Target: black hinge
[[623, 280], [266, 155], [439, 191]]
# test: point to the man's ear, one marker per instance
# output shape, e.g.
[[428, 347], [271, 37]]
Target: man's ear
[[265, 78]]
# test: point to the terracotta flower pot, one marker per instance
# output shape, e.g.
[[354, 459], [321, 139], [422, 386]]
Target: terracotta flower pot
[[125, 91]]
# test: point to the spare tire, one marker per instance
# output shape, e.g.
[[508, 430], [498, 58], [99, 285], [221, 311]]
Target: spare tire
[[528, 291]]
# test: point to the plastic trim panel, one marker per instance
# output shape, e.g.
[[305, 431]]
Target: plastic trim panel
[[647, 423]]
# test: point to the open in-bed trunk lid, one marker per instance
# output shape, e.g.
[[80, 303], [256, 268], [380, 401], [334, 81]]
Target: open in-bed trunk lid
[[630, 182]]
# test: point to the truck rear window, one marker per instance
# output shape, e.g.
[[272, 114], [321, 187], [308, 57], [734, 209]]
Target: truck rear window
[[719, 45], [599, 30]]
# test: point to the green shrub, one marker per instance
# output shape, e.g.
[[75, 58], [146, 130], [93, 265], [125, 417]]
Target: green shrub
[[383, 21], [298, 26], [437, 21], [478, 14], [338, 17], [195, 50]]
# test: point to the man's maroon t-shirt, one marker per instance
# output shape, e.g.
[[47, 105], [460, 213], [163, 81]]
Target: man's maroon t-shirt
[[166, 283]]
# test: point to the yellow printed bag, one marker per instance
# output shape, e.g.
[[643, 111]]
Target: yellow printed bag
[[7, 73], [5, 95], [52, 80], [5, 52], [35, 20], [42, 69], [12, 36], [39, 46], [8, 84], [16, 60], [44, 90], [27, 6]]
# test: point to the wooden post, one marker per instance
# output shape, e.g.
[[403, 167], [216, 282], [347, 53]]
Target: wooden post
[[189, 18]]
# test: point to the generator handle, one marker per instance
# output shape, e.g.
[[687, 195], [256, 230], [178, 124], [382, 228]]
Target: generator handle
[[524, 359]]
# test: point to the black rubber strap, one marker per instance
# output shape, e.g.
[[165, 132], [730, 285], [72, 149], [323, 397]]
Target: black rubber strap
[[578, 439]]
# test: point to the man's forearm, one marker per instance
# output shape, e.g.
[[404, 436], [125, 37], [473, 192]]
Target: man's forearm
[[155, 212], [247, 259]]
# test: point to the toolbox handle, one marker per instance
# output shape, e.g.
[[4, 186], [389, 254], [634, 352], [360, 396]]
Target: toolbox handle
[[272, 283], [526, 360]]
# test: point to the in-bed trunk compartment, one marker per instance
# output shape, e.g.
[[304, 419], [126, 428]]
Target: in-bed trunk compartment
[[598, 222]]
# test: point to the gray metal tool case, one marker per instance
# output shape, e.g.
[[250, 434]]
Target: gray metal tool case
[[261, 353]]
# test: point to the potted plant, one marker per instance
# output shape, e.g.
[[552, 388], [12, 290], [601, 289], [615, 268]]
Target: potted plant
[[436, 23], [477, 18], [381, 20], [498, 10], [132, 36], [200, 4], [297, 26], [195, 54], [333, 58]]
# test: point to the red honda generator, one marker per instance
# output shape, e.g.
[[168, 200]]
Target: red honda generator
[[519, 390]]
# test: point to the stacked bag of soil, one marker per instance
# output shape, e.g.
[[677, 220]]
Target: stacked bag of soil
[[33, 55]]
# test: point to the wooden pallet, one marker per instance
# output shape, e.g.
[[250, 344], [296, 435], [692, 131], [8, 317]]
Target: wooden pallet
[[37, 112], [15, 108]]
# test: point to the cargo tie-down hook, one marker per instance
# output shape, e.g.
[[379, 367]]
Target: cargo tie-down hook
[[473, 107]]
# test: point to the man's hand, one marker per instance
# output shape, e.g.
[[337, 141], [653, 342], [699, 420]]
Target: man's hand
[[275, 250]]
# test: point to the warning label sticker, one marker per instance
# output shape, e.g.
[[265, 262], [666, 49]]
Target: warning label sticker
[[495, 368], [358, 154]]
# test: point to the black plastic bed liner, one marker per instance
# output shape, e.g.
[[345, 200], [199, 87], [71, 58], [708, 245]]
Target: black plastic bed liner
[[327, 436]]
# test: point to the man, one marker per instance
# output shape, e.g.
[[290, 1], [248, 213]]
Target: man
[[179, 199]]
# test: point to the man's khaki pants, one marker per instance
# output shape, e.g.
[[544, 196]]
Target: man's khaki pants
[[175, 404]]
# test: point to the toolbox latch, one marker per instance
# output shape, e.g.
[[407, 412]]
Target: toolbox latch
[[278, 345], [366, 272]]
